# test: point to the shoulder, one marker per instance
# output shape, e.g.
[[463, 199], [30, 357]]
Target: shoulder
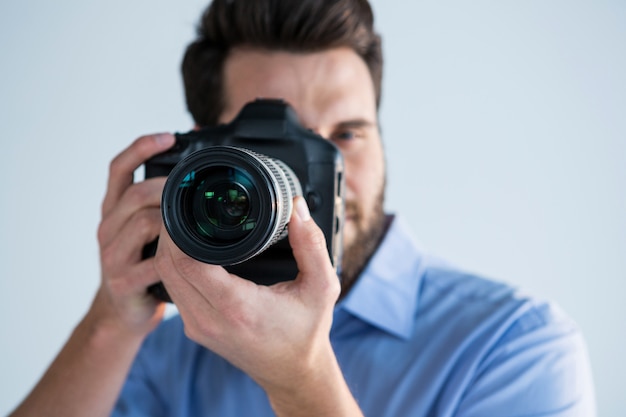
[[517, 352], [488, 301], [493, 311]]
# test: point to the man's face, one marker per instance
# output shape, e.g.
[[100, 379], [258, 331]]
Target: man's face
[[333, 94]]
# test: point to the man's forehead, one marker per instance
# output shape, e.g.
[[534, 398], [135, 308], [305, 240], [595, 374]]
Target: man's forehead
[[334, 82]]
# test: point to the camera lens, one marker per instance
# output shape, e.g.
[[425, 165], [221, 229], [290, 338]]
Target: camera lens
[[219, 205], [223, 205]]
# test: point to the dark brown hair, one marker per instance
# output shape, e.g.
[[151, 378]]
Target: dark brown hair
[[288, 25]]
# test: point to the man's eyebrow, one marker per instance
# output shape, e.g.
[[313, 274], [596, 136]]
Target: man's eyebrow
[[355, 124]]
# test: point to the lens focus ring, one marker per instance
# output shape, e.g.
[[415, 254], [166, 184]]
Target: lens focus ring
[[287, 187]]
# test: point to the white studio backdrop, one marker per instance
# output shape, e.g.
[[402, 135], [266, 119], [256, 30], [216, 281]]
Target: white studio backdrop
[[504, 125]]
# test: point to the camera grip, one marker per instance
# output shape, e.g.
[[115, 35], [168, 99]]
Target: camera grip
[[157, 290]]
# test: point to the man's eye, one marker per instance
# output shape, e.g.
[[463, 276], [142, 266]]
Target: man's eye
[[345, 135]]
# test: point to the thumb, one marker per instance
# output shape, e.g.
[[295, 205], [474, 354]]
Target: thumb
[[309, 249]]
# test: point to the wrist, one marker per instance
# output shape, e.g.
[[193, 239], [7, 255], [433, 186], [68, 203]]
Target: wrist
[[100, 332], [132, 317], [104, 324], [319, 390]]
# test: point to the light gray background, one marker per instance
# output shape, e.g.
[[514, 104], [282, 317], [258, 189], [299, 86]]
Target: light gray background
[[504, 124]]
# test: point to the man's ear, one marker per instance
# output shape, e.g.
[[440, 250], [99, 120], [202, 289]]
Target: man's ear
[[196, 127]]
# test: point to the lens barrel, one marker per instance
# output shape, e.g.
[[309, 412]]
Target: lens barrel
[[224, 205]]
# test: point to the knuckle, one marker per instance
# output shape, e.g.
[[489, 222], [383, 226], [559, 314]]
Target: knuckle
[[108, 256], [116, 165], [102, 232], [146, 222], [137, 194], [329, 288], [333, 289], [316, 239]]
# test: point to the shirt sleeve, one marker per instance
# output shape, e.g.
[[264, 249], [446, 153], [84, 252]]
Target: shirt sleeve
[[539, 367], [138, 397]]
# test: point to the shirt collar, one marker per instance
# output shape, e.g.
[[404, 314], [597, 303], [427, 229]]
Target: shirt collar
[[385, 295]]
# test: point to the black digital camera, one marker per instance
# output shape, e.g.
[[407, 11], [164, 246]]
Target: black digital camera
[[228, 196]]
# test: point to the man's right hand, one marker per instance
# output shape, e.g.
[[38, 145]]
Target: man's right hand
[[131, 218]]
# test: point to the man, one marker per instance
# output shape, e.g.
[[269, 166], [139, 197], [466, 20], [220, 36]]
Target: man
[[404, 335]]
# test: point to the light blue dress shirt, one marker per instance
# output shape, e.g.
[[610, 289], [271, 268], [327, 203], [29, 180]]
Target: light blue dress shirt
[[414, 337]]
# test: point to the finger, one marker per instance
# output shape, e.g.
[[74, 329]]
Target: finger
[[177, 279], [310, 252], [135, 280], [217, 286], [123, 165], [140, 229], [140, 196]]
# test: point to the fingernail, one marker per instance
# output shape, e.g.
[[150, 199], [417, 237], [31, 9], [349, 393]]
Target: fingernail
[[164, 139], [302, 209]]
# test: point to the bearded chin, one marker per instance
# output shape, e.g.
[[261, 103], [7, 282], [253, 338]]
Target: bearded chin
[[367, 237]]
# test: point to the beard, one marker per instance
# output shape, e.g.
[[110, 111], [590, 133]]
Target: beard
[[367, 238]]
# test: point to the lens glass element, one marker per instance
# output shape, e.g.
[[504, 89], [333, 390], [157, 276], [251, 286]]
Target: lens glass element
[[227, 204], [216, 204]]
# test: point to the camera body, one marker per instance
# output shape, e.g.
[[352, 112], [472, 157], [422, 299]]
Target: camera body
[[229, 191]]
